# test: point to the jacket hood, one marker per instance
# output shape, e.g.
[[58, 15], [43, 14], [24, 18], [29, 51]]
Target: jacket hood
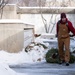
[[63, 15]]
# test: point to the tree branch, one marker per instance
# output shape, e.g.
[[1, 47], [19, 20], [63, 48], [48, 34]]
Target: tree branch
[[43, 19], [53, 24], [2, 5]]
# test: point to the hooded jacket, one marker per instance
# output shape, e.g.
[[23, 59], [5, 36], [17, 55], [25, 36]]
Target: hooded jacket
[[70, 26]]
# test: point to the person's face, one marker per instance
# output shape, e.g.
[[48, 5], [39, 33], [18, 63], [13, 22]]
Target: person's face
[[63, 19]]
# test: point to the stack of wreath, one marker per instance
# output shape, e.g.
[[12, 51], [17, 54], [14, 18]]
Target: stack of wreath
[[53, 57]]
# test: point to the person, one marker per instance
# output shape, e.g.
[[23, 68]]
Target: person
[[63, 28]]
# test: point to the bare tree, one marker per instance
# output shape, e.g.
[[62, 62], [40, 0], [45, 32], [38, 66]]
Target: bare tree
[[53, 23], [65, 3], [23, 2], [51, 3], [69, 3], [41, 4], [2, 5], [46, 25]]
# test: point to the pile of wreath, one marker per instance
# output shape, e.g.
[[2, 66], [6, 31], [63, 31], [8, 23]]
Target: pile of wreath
[[53, 57]]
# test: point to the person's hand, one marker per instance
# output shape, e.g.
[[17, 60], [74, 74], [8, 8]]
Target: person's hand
[[71, 35], [56, 35]]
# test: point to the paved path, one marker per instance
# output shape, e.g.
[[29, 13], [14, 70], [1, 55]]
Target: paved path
[[45, 69]]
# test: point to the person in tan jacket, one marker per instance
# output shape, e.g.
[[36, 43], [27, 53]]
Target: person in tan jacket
[[63, 27]]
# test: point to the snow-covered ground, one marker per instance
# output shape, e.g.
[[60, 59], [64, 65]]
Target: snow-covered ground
[[5, 70], [36, 53], [33, 56]]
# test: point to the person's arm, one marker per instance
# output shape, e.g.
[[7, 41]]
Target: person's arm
[[71, 28]]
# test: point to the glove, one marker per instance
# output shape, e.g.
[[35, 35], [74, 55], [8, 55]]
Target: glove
[[71, 35], [56, 35]]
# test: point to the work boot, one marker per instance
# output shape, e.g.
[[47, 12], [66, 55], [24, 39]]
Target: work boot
[[67, 63]]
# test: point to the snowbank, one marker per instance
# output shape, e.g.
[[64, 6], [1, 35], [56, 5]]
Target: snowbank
[[37, 54], [5, 70]]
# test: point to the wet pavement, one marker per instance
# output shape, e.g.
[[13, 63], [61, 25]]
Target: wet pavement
[[44, 69]]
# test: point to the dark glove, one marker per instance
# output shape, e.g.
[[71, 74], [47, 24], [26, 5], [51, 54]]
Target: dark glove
[[56, 35], [71, 35]]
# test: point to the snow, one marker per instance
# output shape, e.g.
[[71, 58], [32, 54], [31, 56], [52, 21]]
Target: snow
[[13, 21], [5, 70], [51, 42], [35, 55], [10, 21], [22, 57], [47, 7], [7, 59]]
